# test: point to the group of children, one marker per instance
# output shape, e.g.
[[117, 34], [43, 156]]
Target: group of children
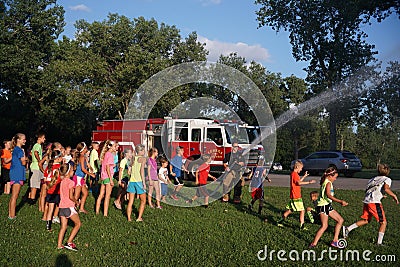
[[322, 201], [60, 175]]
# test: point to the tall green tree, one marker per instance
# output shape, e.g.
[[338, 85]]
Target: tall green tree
[[329, 36], [28, 30]]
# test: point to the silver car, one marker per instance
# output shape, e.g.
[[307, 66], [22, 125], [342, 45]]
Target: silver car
[[344, 161]]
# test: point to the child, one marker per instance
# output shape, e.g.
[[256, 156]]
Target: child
[[163, 178], [123, 177], [175, 169], [17, 171], [256, 185], [107, 174], [137, 183], [53, 181], [95, 165], [325, 209], [311, 211], [372, 202], [68, 202], [5, 166], [202, 174], [153, 178], [296, 202], [81, 170], [37, 175]]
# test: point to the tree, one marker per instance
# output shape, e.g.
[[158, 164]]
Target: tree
[[329, 36], [27, 33]]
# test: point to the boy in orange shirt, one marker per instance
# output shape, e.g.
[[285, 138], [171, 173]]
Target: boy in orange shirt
[[296, 202]]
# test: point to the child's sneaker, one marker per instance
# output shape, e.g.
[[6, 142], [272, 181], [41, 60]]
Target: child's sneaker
[[60, 248], [71, 246], [345, 231], [56, 219], [335, 244]]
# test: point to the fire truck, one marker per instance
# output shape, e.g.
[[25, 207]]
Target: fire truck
[[196, 136]]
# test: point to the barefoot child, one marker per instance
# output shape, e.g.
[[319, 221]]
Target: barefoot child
[[372, 202], [67, 208], [296, 202], [325, 209]]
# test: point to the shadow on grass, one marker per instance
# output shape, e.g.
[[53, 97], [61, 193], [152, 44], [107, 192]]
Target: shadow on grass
[[63, 261]]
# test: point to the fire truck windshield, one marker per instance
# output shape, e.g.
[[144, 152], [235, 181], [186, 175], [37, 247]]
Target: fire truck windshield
[[241, 134]]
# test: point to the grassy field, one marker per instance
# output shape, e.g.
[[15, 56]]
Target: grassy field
[[222, 235], [364, 174]]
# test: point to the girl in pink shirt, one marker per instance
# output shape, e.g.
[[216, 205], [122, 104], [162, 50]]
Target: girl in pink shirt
[[67, 207], [107, 173]]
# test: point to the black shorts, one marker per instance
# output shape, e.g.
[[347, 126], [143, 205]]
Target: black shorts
[[125, 180], [202, 191], [177, 180], [67, 212], [53, 198], [5, 175], [325, 209]]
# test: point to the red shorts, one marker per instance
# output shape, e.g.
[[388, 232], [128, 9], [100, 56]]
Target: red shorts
[[373, 210], [257, 193]]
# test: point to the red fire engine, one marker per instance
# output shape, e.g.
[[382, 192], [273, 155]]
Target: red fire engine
[[196, 136]]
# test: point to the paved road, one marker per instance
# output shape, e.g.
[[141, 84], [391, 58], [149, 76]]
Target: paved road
[[282, 180]]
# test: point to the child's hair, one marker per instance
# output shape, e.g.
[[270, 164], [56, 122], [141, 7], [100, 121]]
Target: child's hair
[[139, 148], [14, 140], [107, 145], [297, 164], [383, 169], [54, 155], [328, 172], [40, 135], [151, 151], [78, 151], [64, 169], [313, 193], [178, 148], [163, 160]]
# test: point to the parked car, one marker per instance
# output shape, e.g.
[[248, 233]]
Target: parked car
[[345, 162], [276, 166]]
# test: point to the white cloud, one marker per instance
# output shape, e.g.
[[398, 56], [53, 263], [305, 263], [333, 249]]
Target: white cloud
[[249, 52], [210, 2], [80, 8]]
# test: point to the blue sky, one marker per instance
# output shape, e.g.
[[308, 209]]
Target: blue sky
[[225, 26]]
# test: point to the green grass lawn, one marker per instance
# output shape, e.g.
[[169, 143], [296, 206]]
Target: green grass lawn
[[222, 235], [364, 174]]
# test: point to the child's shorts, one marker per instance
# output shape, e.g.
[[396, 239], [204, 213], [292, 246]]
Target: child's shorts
[[105, 181], [295, 205], [79, 181], [257, 193], [53, 198], [373, 210], [164, 189], [67, 212], [35, 179], [135, 188], [17, 182], [325, 209]]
